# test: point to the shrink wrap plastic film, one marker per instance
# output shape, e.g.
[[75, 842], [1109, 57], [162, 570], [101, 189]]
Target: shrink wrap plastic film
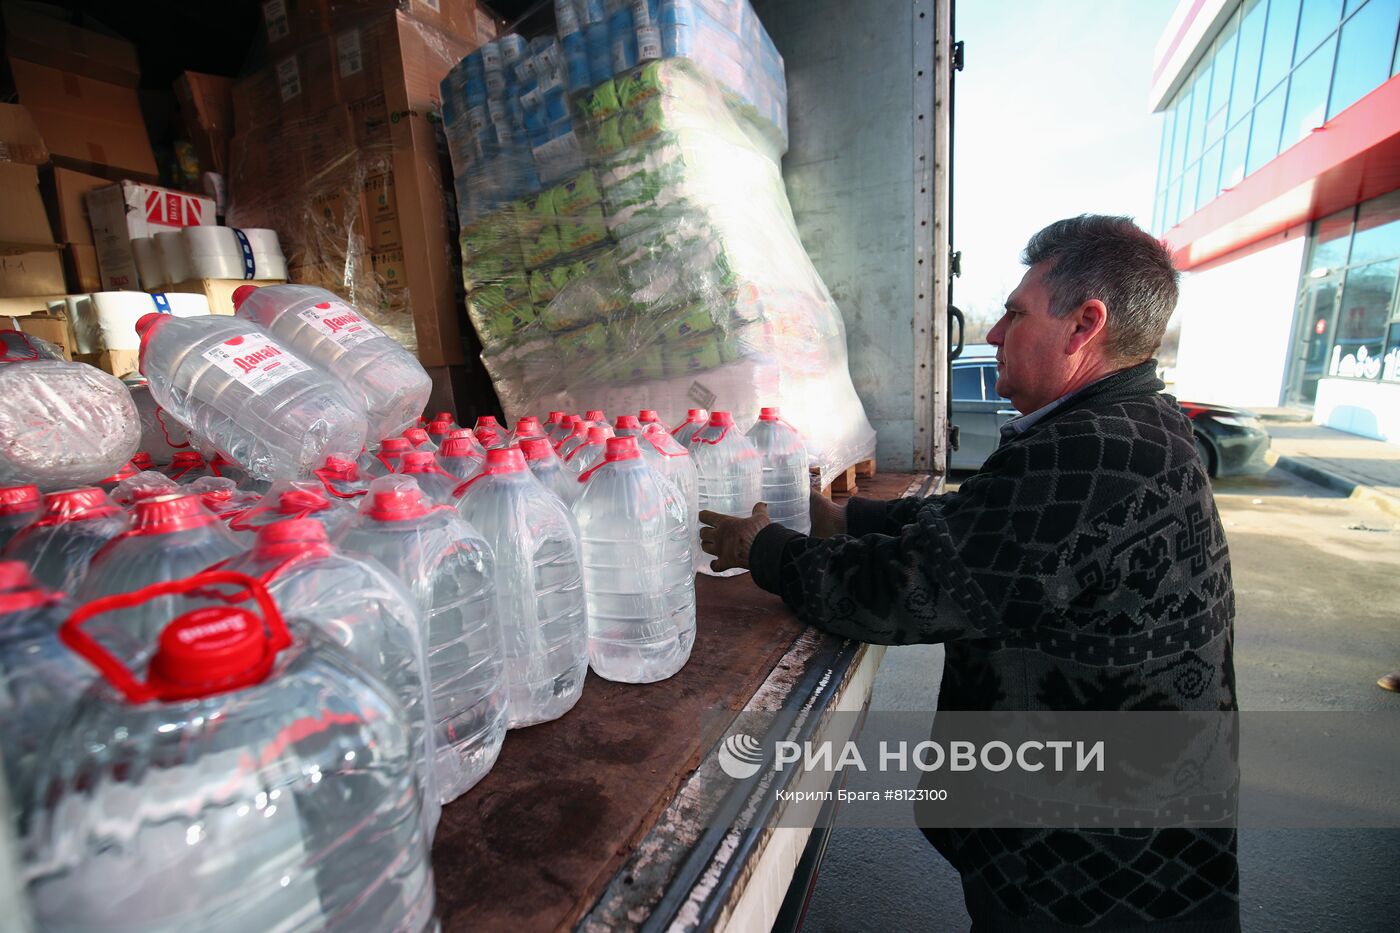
[[60, 543], [61, 424], [663, 270]]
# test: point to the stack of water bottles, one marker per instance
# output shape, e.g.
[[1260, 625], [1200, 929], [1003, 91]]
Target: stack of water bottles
[[625, 231], [362, 638]]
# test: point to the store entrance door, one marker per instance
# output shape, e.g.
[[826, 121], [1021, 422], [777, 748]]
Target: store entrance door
[[1317, 320]]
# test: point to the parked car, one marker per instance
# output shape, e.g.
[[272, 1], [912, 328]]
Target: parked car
[[1229, 440]]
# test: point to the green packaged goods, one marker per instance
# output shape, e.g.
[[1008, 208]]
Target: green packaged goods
[[543, 248], [531, 213], [607, 138], [599, 103], [686, 323], [643, 123], [576, 195], [581, 232], [640, 83]]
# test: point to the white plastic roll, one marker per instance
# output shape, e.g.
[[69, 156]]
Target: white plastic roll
[[149, 269], [116, 314], [174, 258], [215, 253]]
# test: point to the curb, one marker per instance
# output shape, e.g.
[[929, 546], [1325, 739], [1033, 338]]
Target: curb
[[1340, 483]]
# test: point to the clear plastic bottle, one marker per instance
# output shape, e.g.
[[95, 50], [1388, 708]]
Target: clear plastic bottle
[[251, 781], [61, 424], [461, 455], [450, 570], [420, 440], [40, 679], [786, 479], [549, 469], [490, 432], [59, 544], [446, 416], [186, 467], [340, 478], [291, 500], [128, 470], [582, 456], [627, 426], [578, 434], [648, 416], [664, 453], [437, 484], [222, 497], [389, 459], [562, 429], [596, 415], [637, 569], [728, 471], [539, 585], [248, 394], [529, 426], [554, 419], [19, 505], [168, 538], [392, 386], [162, 435], [362, 607], [439, 428], [143, 485], [695, 421]]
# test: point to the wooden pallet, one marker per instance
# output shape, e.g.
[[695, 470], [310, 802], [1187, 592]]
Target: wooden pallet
[[845, 483]]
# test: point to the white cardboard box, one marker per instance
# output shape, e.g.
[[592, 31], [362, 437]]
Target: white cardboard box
[[125, 211]]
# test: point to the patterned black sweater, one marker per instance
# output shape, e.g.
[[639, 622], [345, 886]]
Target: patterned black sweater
[[1083, 568]]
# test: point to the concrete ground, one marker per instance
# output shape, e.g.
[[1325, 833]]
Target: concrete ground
[[1318, 608]]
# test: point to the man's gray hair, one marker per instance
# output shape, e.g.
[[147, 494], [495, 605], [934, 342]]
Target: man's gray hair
[[1117, 262]]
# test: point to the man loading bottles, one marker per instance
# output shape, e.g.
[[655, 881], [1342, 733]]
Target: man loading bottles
[[1092, 526]]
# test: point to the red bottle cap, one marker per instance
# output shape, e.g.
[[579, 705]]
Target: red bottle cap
[[554, 417], [167, 513], [142, 461], [595, 414], [395, 445], [458, 447], [127, 471], [146, 322], [417, 436], [461, 434], [18, 590], [397, 503], [769, 414], [599, 433], [301, 501], [487, 421], [528, 427], [647, 416], [627, 421], [537, 448], [75, 505], [419, 461], [342, 468], [505, 460], [241, 293], [440, 427], [721, 419], [622, 448], [292, 537], [443, 416], [695, 414], [187, 459], [17, 499]]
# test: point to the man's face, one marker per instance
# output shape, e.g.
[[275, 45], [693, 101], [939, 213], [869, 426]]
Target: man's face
[[1032, 364]]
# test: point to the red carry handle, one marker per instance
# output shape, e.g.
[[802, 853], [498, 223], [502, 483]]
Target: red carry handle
[[121, 677]]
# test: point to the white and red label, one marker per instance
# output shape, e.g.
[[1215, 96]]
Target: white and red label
[[174, 208], [255, 361], [341, 323]]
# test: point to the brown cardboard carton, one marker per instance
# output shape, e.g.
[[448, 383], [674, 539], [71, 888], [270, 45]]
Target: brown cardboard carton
[[121, 213], [89, 125], [80, 268], [36, 32], [206, 109], [287, 23], [64, 191], [23, 306], [218, 292], [22, 219], [466, 20], [50, 327], [19, 137], [30, 270], [117, 362]]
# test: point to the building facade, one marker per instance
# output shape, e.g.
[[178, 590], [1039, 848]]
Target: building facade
[[1278, 188]]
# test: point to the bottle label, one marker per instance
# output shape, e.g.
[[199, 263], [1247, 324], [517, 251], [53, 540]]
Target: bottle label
[[255, 361], [648, 43], [341, 323]]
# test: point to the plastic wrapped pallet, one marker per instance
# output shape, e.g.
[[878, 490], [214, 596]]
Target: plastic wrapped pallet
[[661, 270]]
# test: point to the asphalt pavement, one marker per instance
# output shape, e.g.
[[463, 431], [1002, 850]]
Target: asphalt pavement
[[1317, 606]]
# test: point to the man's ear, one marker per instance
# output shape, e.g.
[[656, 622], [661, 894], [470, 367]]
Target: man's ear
[[1089, 322]]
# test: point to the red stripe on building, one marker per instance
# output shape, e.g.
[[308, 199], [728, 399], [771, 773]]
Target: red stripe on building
[[1354, 157]]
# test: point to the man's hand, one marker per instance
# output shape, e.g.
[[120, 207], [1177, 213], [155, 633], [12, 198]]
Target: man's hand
[[729, 538], [828, 518]]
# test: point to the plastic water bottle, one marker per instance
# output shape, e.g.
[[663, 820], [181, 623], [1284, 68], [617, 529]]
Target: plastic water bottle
[[61, 424], [490, 432], [291, 500], [695, 420], [637, 570], [539, 585], [528, 426], [144, 485], [162, 435], [729, 473], [461, 455], [786, 481], [19, 505], [582, 456], [322, 329], [248, 394], [437, 484], [42, 679], [447, 417], [439, 428], [552, 421], [58, 545], [389, 459], [627, 426], [222, 497], [251, 781], [596, 415], [577, 435], [168, 538], [362, 607], [450, 571], [548, 468], [420, 440], [186, 467], [128, 470], [340, 478], [562, 429], [664, 454], [648, 416]]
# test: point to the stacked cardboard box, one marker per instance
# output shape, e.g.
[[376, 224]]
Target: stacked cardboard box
[[206, 110], [30, 263], [337, 148]]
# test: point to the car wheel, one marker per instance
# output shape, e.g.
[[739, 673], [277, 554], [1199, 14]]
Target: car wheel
[[1206, 454]]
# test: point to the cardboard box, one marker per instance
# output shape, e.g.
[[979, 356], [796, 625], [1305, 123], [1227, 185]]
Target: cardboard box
[[39, 32], [218, 292], [45, 326], [206, 109], [23, 220], [289, 22], [64, 191], [466, 20], [120, 213], [80, 268], [32, 270], [117, 362], [19, 137], [23, 306], [89, 125]]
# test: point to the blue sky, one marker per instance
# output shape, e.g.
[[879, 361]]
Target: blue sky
[[1052, 121]]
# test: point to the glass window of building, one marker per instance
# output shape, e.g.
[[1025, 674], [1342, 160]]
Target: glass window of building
[[1367, 296], [1263, 136], [1331, 241], [1251, 39], [1232, 160], [1317, 20], [1188, 190], [1278, 44], [1209, 185], [1183, 121], [1364, 55], [1200, 94], [1307, 94], [1223, 56], [1377, 230]]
